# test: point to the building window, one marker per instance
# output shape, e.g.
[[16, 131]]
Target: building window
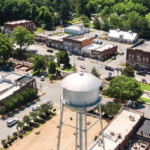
[[138, 57], [129, 56], [147, 60], [132, 57], [143, 59]]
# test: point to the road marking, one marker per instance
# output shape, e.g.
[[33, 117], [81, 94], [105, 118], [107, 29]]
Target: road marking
[[44, 88]]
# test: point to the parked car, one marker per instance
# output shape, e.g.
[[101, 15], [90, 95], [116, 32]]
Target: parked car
[[113, 57], [34, 108], [82, 67], [109, 68], [144, 81], [50, 50], [42, 78], [148, 73], [118, 69], [109, 78], [80, 58], [46, 101], [122, 53], [130, 103], [141, 73], [12, 122]]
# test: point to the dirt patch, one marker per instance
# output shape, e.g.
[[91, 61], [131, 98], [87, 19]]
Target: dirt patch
[[47, 138]]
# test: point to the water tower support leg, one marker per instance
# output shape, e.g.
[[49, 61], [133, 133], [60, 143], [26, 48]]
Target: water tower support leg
[[100, 117], [76, 146], [60, 126], [81, 130], [85, 129]]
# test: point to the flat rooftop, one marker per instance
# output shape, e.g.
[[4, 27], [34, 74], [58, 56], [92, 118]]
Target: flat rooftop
[[140, 145], [118, 129], [145, 47], [58, 37], [92, 46], [17, 22], [12, 77], [144, 129], [9, 92], [127, 35], [23, 80], [104, 47], [82, 38], [75, 27], [4, 86]]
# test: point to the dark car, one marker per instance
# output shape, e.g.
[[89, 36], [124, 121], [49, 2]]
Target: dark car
[[144, 81], [50, 50], [122, 53], [109, 68], [141, 73], [118, 69], [80, 58]]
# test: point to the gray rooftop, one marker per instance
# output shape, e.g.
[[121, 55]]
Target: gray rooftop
[[145, 47], [144, 128]]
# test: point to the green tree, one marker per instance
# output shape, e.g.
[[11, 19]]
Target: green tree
[[96, 23], [65, 12], [39, 63], [52, 67], [63, 58], [5, 48], [124, 88], [26, 120], [86, 21], [22, 37], [45, 109], [2, 110], [20, 125], [128, 71], [94, 72], [33, 116]]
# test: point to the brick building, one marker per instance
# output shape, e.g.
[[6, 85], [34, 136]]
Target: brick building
[[138, 59], [56, 41], [99, 51], [9, 26], [74, 44]]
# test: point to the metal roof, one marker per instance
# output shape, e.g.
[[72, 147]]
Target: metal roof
[[81, 82]]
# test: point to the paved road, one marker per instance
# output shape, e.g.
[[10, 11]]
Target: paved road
[[52, 92]]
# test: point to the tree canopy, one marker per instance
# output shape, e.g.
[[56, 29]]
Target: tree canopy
[[5, 48], [124, 88], [63, 58], [22, 37], [39, 63], [128, 71], [95, 72], [52, 67]]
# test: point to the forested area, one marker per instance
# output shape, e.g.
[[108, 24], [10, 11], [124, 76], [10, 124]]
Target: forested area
[[123, 14]]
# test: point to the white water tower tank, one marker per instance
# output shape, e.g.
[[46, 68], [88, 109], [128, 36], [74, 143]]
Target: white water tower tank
[[81, 90]]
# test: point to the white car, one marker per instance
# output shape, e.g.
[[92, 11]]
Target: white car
[[82, 67], [34, 108], [46, 102], [42, 78], [12, 122]]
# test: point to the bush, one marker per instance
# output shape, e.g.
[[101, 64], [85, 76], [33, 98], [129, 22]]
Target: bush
[[15, 135], [4, 143], [20, 99]]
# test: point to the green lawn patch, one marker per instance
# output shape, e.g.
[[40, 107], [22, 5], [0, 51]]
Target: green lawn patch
[[145, 99], [57, 33], [39, 30], [145, 87]]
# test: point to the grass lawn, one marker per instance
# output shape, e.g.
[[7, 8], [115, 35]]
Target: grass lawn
[[145, 99], [39, 30], [145, 87]]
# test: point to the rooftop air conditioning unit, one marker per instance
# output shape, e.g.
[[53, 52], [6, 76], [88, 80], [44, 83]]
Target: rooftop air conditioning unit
[[111, 133]]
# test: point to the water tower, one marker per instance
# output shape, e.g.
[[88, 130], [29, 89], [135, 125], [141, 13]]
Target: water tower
[[80, 94]]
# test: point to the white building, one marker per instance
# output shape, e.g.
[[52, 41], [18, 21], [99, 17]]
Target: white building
[[122, 36], [76, 29], [118, 132]]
